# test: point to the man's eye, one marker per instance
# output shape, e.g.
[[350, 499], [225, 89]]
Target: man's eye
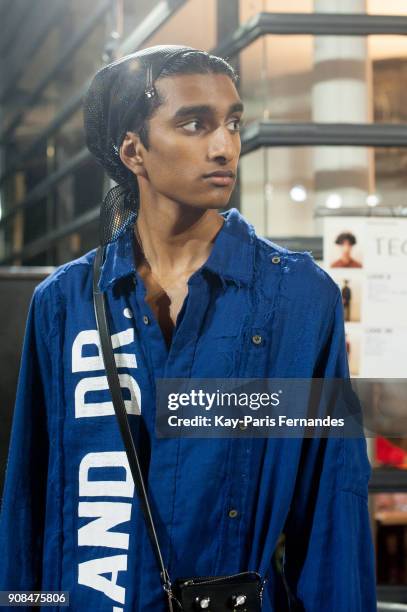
[[237, 124], [193, 126]]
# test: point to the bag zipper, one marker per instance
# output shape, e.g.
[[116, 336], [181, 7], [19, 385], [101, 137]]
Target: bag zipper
[[212, 579]]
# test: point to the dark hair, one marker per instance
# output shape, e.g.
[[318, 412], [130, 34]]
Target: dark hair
[[346, 237]]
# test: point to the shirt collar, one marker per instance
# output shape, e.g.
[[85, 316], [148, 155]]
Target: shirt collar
[[231, 258], [119, 259], [232, 255]]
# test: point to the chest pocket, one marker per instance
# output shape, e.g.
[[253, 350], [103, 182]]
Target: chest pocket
[[219, 348]]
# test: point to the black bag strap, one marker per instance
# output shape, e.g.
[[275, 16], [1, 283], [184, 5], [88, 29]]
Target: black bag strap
[[120, 410]]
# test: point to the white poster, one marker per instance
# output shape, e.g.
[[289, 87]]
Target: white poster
[[367, 258]]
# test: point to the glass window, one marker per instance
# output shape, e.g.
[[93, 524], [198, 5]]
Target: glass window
[[194, 24], [390, 7], [83, 62], [41, 61], [286, 191], [249, 8], [325, 79], [69, 139], [135, 12]]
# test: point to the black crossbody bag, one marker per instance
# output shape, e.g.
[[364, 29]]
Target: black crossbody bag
[[240, 592]]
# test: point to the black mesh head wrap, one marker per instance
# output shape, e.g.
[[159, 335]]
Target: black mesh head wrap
[[116, 100]]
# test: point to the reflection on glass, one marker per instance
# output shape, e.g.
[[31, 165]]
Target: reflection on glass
[[274, 181], [307, 78], [280, 89]]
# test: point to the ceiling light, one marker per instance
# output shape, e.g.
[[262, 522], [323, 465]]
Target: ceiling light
[[373, 199], [334, 200], [298, 193]]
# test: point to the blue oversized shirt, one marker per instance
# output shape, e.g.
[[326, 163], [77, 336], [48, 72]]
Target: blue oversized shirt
[[70, 517]]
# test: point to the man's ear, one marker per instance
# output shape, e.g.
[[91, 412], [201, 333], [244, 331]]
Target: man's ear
[[132, 154]]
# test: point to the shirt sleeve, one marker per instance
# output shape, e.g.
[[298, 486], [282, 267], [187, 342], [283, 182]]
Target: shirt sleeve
[[23, 502], [329, 558]]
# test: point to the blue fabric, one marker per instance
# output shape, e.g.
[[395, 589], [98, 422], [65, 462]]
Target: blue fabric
[[70, 517]]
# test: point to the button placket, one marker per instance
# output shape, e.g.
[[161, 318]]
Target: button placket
[[150, 334], [181, 356]]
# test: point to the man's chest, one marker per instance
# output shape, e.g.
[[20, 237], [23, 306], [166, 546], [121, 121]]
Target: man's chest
[[165, 300]]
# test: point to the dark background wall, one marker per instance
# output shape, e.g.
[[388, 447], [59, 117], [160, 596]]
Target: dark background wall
[[16, 289]]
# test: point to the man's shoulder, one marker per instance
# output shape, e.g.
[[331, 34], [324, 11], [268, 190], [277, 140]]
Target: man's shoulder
[[72, 274], [299, 270]]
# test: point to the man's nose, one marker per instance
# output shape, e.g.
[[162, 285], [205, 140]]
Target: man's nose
[[223, 144]]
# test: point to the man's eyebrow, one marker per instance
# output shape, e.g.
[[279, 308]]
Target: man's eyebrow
[[205, 109]]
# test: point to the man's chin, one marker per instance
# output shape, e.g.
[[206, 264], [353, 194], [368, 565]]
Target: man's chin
[[212, 205], [216, 205], [221, 200]]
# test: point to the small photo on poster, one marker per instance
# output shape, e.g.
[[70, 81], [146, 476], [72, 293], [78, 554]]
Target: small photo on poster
[[344, 242], [350, 285], [345, 251], [353, 344]]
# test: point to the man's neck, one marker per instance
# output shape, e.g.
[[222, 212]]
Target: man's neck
[[176, 239]]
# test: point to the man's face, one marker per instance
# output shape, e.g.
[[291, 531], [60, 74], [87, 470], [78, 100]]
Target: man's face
[[346, 248], [194, 133]]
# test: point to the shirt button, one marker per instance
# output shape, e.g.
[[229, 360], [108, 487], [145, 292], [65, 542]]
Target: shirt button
[[146, 320], [127, 313], [276, 259], [257, 339], [233, 513]]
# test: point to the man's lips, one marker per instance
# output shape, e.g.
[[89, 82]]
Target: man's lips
[[220, 173], [221, 177]]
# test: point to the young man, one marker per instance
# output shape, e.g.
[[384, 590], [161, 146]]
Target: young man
[[191, 293]]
